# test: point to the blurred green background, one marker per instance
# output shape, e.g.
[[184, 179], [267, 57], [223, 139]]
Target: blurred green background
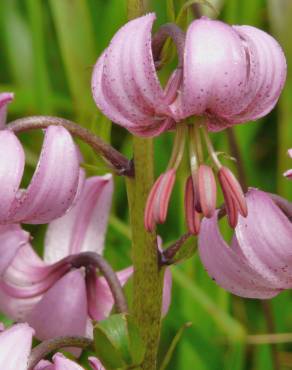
[[47, 52]]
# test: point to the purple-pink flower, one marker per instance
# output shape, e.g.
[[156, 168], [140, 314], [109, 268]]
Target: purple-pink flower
[[258, 262], [52, 296], [230, 74], [60, 362], [226, 75], [54, 184]]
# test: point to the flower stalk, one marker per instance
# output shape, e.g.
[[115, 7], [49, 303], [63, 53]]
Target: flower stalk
[[116, 161], [45, 348]]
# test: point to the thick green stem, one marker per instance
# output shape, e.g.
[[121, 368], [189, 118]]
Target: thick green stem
[[147, 295]]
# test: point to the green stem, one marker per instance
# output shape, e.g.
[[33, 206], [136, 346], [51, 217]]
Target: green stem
[[147, 294]]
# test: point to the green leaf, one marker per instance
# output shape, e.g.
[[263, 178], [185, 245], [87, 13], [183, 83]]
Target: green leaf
[[173, 345], [118, 342], [170, 10]]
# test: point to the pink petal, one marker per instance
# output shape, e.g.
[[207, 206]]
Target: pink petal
[[265, 239], [288, 174], [214, 69], [270, 77], [95, 363], [62, 310], [11, 170], [167, 285], [125, 85], [5, 98], [227, 266], [104, 301], [55, 181], [12, 237], [83, 227], [44, 365], [63, 363], [15, 344]]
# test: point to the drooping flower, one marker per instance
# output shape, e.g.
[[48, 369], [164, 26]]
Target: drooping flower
[[15, 344], [54, 184], [258, 262], [30, 287], [226, 75], [288, 173]]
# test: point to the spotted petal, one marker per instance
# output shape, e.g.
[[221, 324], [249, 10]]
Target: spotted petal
[[55, 181], [125, 85]]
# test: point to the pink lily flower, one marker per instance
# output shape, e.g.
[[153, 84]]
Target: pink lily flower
[[288, 173], [230, 74], [258, 263], [31, 287], [15, 344], [226, 75], [54, 184]]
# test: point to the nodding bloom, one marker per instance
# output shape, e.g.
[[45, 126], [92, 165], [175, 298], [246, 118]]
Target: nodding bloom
[[258, 263], [53, 295], [288, 173], [54, 184], [15, 344], [226, 75]]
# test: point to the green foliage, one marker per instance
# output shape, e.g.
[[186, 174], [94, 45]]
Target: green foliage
[[118, 343]]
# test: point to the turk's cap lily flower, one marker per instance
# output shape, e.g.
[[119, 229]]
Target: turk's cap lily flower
[[29, 284], [288, 173], [54, 185], [229, 74], [257, 264], [15, 344]]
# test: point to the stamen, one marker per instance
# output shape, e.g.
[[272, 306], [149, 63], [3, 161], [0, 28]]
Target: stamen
[[178, 147], [192, 216], [233, 195], [211, 149], [207, 190], [158, 200]]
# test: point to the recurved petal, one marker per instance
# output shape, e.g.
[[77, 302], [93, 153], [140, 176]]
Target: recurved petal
[[270, 76], [55, 181], [227, 265], [125, 84], [214, 76], [265, 239], [104, 301], [11, 170], [63, 363], [62, 310], [288, 173], [83, 227], [12, 238], [5, 98], [15, 344]]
